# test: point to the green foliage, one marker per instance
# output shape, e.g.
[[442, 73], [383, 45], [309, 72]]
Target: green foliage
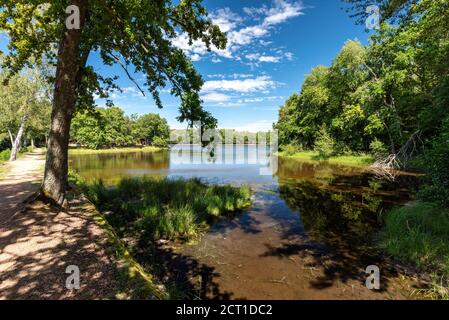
[[24, 101], [290, 149], [378, 148], [169, 209], [419, 234], [110, 127], [383, 92], [153, 129], [5, 155], [138, 34], [436, 163], [324, 144]]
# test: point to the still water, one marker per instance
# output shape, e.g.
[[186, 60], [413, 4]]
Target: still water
[[308, 235]]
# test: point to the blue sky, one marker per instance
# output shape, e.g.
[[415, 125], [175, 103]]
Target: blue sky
[[272, 45]]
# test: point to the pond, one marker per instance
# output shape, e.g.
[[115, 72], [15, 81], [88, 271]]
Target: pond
[[308, 235]]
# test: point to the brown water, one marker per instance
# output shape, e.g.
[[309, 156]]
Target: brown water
[[308, 235]]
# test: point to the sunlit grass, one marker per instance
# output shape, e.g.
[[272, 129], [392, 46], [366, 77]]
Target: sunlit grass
[[82, 151], [350, 160], [164, 208], [419, 234]]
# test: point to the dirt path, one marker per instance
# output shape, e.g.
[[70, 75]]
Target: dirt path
[[38, 243], [20, 182]]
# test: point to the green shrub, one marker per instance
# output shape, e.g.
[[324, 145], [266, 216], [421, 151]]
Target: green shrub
[[5, 155], [160, 142], [325, 144], [291, 149], [378, 148], [435, 162]]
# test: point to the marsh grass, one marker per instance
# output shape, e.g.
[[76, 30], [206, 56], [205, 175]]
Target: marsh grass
[[349, 160], [165, 208], [419, 234]]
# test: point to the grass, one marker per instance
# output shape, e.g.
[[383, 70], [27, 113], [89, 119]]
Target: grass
[[164, 208], [419, 235], [113, 150], [349, 160]]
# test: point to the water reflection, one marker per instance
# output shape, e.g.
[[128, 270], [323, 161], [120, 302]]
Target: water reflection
[[322, 216]]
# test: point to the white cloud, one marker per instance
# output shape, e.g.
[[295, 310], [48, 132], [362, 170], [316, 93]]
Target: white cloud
[[289, 56], [260, 99], [246, 35], [262, 58], [239, 34], [246, 85], [283, 11], [215, 97], [226, 19]]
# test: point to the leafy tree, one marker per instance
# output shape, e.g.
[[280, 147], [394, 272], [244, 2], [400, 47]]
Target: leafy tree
[[153, 129], [87, 129], [110, 127], [23, 106], [192, 112], [125, 33]]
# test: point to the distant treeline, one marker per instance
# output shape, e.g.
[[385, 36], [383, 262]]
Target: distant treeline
[[223, 136], [110, 127]]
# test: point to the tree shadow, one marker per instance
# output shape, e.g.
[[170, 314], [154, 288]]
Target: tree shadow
[[37, 246], [12, 196], [184, 276]]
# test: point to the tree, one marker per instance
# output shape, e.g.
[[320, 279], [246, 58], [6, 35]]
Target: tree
[[125, 33], [153, 129], [192, 112], [23, 105]]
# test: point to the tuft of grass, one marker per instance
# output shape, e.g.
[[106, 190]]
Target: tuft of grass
[[349, 160], [419, 234], [83, 151], [165, 208]]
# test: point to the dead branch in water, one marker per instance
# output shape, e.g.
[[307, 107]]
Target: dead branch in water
[[388, 167]]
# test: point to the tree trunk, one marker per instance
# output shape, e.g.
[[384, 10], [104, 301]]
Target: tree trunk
[[16, 145], [32, 144], [65, 95], [11, 137]]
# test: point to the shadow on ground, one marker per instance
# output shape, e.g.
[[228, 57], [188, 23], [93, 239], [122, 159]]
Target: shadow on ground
[[37, 246]]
